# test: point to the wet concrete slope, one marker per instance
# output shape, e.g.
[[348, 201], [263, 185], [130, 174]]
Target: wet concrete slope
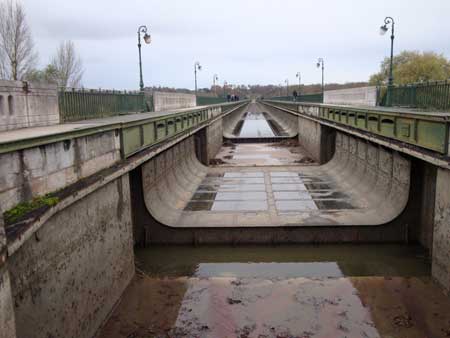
[[361, 185]]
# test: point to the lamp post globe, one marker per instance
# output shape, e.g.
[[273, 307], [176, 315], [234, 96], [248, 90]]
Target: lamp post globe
[[320, 62], [383, 30], [215, 78], [147, 40], [299, 76], [197, 67]]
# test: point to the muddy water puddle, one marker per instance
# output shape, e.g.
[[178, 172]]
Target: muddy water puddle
[[281, 291]]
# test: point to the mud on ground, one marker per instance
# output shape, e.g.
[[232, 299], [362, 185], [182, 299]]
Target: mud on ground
[[148, 308]]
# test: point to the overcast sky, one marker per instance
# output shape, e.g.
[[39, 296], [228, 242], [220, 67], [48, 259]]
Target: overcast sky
[[243, 41]]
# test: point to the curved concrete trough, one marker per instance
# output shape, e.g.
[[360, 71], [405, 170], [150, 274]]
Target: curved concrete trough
[[363, 185]]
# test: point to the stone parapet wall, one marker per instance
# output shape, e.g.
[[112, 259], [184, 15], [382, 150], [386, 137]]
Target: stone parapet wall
[[366, 96], [25, 104], [167, 101]]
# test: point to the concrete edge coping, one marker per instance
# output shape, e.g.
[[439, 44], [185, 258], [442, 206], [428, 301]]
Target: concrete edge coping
[[125, 167], [396, 111], [406, 148]]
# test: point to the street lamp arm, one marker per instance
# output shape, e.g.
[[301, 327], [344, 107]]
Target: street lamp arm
[[142, 29], [388, 20]]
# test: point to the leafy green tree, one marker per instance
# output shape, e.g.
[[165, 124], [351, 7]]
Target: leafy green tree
[[413, 66]]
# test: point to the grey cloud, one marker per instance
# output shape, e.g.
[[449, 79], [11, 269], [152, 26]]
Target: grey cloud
[[252, 41]]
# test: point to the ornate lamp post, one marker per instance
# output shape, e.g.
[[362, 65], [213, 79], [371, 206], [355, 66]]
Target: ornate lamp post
[[197, 66], [383, 29], [147, 40], [224, 88], [320, 63], [215, 78], [299, 81]]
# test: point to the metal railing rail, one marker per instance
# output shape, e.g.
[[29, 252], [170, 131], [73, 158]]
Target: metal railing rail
[[426, 130], [83, 104], [207, 100], [433, 95], [316, 97]]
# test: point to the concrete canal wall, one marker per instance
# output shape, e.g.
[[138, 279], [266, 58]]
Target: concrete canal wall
[[214, 138], [67, 278], [64, 280], [317, 139], [7, 318], [441, 235], [427, 210], [357, 166], [38, 170], [67, 267]]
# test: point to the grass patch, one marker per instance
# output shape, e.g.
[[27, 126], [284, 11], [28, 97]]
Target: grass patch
[[15, 214]]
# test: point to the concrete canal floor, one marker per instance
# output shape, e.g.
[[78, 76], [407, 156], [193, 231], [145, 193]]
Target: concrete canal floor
[[281, 291], [288, 291]]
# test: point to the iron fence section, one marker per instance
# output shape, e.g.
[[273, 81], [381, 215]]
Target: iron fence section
[[427, 95], [82, 104], [208, 100], [317, 98]]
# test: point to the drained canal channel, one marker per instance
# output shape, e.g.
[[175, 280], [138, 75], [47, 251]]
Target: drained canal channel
[[281, 291], [263, 219], [226, 247]]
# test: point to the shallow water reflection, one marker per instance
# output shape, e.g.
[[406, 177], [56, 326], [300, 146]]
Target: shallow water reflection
[[353, 260], [255, 125], [269, 270]]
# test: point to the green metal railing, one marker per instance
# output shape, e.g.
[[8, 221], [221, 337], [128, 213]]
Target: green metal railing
[[135, 134], [427, 130], [207, 100], [317, 98], [83, 104], [426, 95]]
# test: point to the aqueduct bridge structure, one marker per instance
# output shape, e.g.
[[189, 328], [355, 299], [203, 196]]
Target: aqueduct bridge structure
[[373, 175]]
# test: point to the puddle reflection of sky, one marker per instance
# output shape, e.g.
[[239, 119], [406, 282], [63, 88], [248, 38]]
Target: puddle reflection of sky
[[269, 270]]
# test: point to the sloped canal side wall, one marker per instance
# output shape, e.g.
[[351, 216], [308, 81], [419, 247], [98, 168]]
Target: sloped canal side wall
[[67, 279]]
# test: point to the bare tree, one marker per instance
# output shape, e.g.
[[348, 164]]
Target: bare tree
[[68, 65], [17, 55]]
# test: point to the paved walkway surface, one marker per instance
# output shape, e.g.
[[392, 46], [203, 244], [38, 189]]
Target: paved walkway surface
[[35, 132], [402, 110]]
